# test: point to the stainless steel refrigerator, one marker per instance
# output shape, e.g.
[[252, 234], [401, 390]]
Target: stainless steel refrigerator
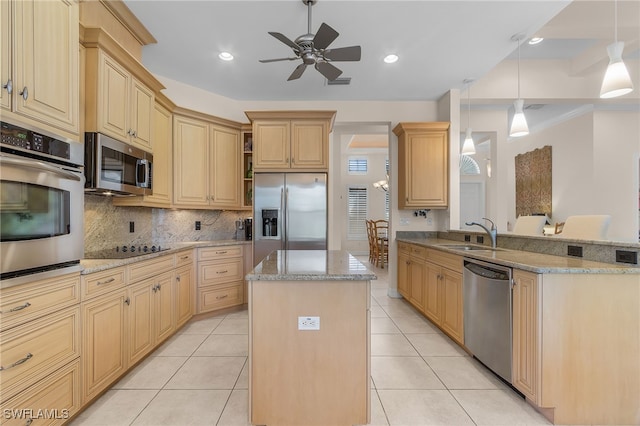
[[289, 213]]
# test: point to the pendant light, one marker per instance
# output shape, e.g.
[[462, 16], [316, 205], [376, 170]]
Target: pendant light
[[468, 148], [617, 81], [519, 125]]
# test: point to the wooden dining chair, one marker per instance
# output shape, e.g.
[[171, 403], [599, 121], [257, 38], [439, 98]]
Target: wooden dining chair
[[381, 242], [372, 239]]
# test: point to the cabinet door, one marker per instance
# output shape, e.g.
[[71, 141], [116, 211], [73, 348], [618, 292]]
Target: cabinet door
[[142, 100], [525, 334], [5, 53], [403, 275], [161, 143], [184, 295], [191, 167], [224, 171], [271, 144], [452, 304], [104, 355], [427, 170], [309, 140], [113, 95], [417, 275], [432, 306], [47, 62], [163, 307], [140, 319]]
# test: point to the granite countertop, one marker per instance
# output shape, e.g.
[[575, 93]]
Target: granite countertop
[[95, 265], [525, 260], [310, 265]]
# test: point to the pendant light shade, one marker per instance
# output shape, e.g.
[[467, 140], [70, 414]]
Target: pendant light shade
[[617, 81], [519, 125], [468, 148]]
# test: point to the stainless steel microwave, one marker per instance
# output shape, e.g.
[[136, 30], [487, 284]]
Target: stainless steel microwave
[[115, 168]]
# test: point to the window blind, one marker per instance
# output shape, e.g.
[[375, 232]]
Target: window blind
[[357, 213]]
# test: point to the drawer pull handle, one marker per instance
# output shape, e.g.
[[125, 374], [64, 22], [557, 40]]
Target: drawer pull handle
[[110, 280], [184, 257], [222, 297], [18, 308], [222, 272], [18, 362], [221, 252]]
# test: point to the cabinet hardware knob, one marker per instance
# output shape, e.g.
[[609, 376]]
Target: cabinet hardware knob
[[24, 93], [184, 257], [8, 86], [154, 288], [134, 134], [18, 362], [127, 301], [110, 280], [17, 308], [178, 278], [222, 297]]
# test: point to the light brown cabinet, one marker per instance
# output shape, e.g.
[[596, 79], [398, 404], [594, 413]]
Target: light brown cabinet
[[525, 335], [118, 104], [247, 167], [431, 281], [40, 68], [206, 164], [220, 277], [184, 290], [40, 348], [104, 341], [286, 140], [161, 144], [423, 162]]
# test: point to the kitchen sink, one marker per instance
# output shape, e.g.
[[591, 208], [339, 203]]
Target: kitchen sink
[[467, 247]]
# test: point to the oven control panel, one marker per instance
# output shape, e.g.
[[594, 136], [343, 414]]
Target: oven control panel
[[33, 142]]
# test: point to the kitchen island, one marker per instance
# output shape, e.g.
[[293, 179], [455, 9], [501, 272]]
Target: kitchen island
[[309, 339]]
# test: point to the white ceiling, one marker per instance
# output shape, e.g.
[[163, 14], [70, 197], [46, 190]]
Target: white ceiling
[[440, 43]]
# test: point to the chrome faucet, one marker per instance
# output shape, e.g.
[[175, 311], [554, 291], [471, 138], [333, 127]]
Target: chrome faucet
[[493, 232]]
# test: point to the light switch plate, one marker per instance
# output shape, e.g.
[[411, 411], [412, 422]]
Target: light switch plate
[[308, 323]]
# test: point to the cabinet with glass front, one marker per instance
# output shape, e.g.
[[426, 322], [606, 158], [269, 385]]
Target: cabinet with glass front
[[247, 166]]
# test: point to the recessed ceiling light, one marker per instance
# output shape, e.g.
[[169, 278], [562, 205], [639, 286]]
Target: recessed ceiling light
[[225, 56], [390, 59], [535, 40]]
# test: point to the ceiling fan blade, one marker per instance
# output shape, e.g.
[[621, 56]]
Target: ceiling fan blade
[[351, 53], [297, 73], [328, 70], [264, 61], [324, 37], [285, 40]]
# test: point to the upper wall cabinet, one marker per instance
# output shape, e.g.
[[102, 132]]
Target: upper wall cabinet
[[39, 65], [207, 162], [119, 91], [118, 104], [285, 140], [423, 165]]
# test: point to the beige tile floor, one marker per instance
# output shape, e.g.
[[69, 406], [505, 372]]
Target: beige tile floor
[[419, 377]]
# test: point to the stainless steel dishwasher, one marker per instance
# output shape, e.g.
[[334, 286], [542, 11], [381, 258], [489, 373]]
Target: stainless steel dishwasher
[[487, 314]]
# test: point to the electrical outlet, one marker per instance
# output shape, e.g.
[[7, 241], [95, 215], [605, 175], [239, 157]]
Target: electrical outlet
[[574, 251], [198, 225], [132, 227], [479, 239], [404, 221], [308, 323]]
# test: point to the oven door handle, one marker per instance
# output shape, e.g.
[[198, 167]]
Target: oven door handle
[[38, 165]]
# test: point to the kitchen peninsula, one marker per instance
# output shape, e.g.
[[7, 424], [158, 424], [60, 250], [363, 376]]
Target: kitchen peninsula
[[309, 339]]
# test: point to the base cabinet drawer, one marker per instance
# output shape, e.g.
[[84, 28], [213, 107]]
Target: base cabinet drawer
[[224, 271], [30, 352], [213, 298], [49, 402]]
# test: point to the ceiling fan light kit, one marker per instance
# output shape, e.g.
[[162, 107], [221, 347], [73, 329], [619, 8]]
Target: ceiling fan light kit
[[314, 50]]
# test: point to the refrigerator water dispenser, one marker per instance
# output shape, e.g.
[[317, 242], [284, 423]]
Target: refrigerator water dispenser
[[270, 222]]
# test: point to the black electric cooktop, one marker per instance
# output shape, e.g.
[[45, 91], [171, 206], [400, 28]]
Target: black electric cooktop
[[125, 251]]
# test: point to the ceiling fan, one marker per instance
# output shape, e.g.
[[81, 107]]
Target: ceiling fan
[[313, 50]]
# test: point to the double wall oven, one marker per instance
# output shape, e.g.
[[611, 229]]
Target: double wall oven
[[41, 204]]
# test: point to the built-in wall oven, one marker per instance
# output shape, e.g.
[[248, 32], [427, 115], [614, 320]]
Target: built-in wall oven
[[41, 204]]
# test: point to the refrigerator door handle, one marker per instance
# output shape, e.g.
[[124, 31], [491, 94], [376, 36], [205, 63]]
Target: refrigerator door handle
[[283, 236], [286, 215]]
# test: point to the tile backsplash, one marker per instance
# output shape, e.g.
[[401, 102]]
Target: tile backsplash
[[107, 226]]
